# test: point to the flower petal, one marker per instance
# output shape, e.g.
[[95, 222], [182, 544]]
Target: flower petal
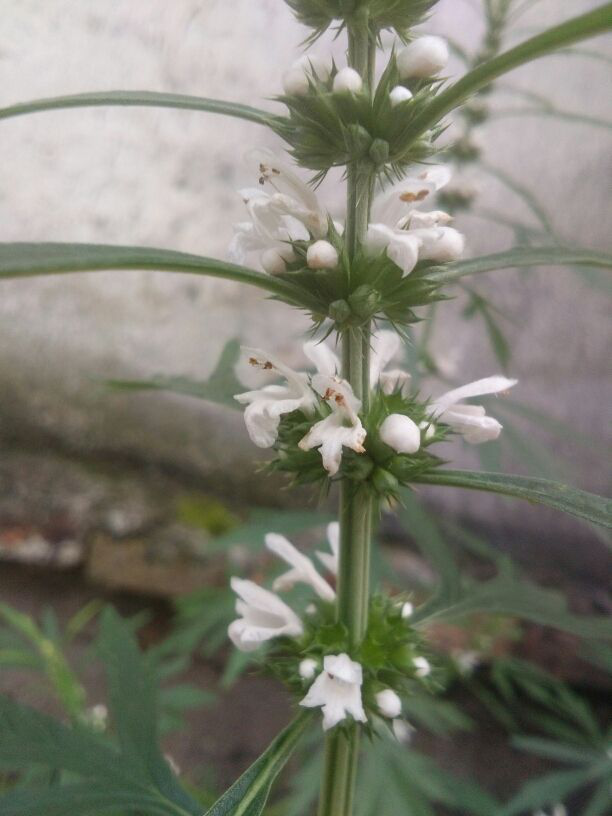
[[303, 569]]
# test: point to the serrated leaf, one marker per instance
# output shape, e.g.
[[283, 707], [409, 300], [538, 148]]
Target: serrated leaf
[[140, 99], [220, 387], [579, 503], [22, 260], [249, 794], [133, 701], [521, 257], [548, 790]]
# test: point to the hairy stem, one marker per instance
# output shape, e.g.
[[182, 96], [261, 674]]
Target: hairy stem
[[342, 747]]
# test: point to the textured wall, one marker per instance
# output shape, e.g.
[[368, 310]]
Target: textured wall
[[167, 178]]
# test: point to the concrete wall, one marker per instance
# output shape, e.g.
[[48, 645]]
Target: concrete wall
[[168, 179]]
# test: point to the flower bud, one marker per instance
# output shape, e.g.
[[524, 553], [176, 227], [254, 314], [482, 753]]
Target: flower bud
[[322, 255], [308, 668], [407, 610], [384, 481], [389, 704], [379, 151], [364, 301], [314, 64], [272, 262], [347, 80], [398, 95], [424, 57], [422, 667], [339, 311], [295, 82], [401, 433]]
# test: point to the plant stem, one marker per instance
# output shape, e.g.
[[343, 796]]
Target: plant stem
[[342, 747]]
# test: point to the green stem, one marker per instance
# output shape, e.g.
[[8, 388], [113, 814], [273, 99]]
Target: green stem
[[342, 747]]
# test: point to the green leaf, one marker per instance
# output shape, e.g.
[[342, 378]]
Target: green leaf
[[22, 260], [506, 594], [220, 387], [134, 705], [577, 28], [553, 113], [579, 503], [65, 683], [249, 794], [547, 790], [422, 526], [140, 99], [81, 800], [555, 750], [521, 257]]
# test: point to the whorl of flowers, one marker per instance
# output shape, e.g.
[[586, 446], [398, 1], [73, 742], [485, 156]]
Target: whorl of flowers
[[310, 651], [318, 415]]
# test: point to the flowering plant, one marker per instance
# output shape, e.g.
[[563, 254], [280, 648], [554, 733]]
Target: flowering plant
[[355, 422]]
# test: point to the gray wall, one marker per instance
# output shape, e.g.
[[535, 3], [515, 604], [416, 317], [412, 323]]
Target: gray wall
[[168, 179]]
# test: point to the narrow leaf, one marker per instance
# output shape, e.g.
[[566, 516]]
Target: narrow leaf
[[521, 257], [22, 260], [572, 31], [579, 503], [140, 99], [249, 794], [220, 387], [507, 594]]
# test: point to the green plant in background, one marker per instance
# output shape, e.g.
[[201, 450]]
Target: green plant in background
[[356, 423]]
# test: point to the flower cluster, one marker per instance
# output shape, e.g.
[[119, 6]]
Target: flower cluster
[[311, 653], [335, 119], [320, 412]]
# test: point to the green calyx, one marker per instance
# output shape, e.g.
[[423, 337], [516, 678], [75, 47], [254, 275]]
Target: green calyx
[[378, 15], [364, 289], [379, 471], [387, 653], [326, 129]]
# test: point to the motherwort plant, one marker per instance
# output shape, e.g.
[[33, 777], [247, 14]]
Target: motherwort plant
[[352, 419]]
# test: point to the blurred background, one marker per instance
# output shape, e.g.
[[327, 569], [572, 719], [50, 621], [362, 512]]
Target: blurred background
[[143, 498]]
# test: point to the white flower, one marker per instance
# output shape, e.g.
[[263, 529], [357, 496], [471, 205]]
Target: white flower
[[384, 347], [558, 810], [403, 731], [424, 57], [290, 213], [338, 690], [331, 560], [466, 661], [263, 616], [471, 421], [407, 610], [389, 704], [342, 428], [296, 79], [347, 80], [308, 668], [422, 666], [322, 255], [439, 243], [398, 95], [400, 433], [302, 569], [266, 406], [406, 234]]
